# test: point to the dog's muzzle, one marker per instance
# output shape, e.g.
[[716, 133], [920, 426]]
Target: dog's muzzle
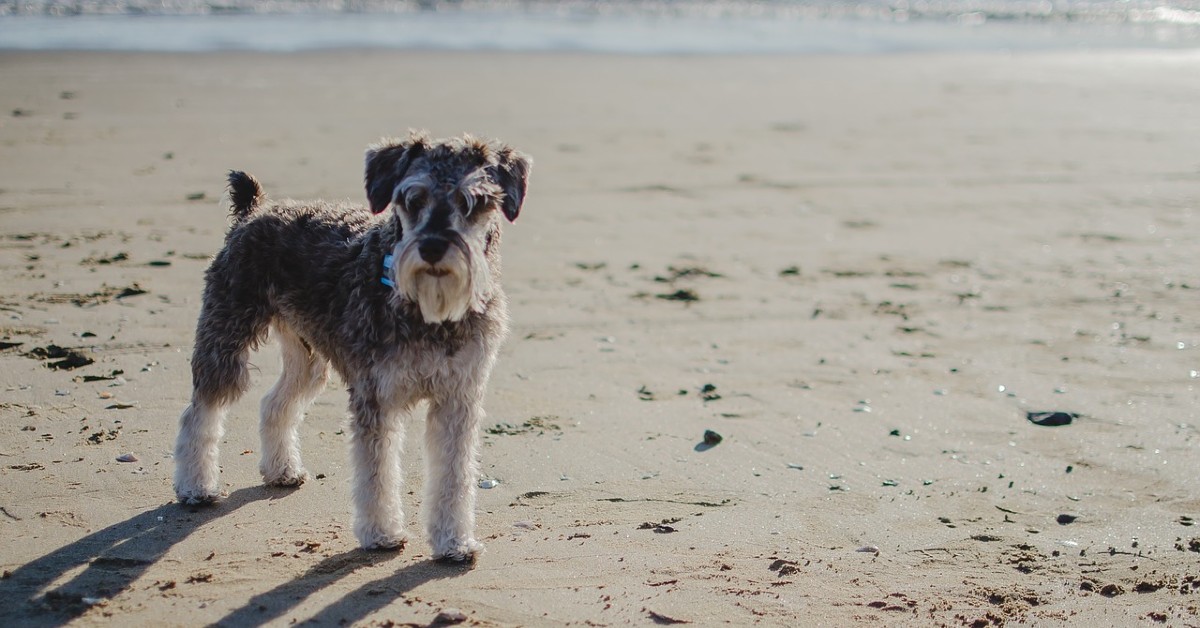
[[435, 271]]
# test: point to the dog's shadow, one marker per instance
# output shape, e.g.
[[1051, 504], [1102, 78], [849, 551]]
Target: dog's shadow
[[111, 559], [350, 607], [55, 588]]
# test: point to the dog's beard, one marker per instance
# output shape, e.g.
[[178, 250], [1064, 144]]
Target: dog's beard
[[445, 291]]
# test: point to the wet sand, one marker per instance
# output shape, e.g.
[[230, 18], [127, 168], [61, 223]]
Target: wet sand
[[862, 271]]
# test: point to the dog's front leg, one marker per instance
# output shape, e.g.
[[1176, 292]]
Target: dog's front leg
[[451, 452], [377, 440]]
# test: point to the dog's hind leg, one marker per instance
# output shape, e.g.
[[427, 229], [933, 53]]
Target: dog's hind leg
[[224, 337], [376, 442], [452, 469], [303, 378]]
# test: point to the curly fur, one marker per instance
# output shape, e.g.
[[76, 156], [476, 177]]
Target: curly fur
[[313, 273]]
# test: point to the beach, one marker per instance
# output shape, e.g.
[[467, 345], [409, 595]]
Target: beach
[[868, 273]]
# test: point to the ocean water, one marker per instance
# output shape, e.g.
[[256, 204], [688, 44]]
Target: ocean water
[[596, 26]]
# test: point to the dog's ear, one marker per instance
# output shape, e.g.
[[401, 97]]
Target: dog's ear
[[511, 173], [386, 164]]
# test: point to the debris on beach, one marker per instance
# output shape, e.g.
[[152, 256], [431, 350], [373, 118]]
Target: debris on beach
[[489, 483], [131, 291], [1064, 519], [1051, 418], [104, 295], [64, 359], [114, 375], [683, 294], [450, 616], [687, 272], [708, 392], [784, 566], [127, 458], [869, 549], [659, 618], [662, 527], [539, 424], [120, 256], [712, 438]]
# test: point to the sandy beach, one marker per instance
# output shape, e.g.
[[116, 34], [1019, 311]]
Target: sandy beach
[[862, 271]]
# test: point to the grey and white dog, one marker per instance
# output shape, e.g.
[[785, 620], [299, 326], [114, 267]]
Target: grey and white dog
[[406, 306]]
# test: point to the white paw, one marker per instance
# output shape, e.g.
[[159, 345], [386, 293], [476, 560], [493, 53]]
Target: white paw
[[458, 550], [195, 496], [375, 539], [287, 476]]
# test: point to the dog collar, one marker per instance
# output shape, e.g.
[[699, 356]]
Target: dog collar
[[388, 260]]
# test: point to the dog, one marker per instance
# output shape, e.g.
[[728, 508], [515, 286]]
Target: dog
[[406, 305]]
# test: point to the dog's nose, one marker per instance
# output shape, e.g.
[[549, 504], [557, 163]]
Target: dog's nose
[[432, 250]]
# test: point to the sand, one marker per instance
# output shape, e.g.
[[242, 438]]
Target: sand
[[861, 271]]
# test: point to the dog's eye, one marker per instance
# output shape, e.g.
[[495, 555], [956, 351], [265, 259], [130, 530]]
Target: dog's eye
[[416, 198], [473, 203]]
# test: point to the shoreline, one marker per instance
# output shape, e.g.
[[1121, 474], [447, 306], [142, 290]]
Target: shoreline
[[636, 34]]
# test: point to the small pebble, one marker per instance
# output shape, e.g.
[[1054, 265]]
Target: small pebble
[[1052, 418], [870, 549], [489, 483], [127, 458], [712, 438], [106, 395], [450, 616], [1065, 519]]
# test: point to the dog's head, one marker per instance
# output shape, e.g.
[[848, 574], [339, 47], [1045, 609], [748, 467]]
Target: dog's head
[[447, 196]]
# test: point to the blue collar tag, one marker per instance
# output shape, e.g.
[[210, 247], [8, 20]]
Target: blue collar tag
[[388, 261]]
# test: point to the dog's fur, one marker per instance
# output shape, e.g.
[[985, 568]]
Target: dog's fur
[[314, 274]]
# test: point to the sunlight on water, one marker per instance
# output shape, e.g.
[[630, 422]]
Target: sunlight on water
[[628, 26]]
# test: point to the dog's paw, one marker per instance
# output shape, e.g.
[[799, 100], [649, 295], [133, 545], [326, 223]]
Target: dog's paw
[[386, 543], [458, 551], [284, 477], [390, 536], [197, 496]]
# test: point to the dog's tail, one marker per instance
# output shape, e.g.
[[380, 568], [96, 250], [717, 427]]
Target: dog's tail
[[245, 194]]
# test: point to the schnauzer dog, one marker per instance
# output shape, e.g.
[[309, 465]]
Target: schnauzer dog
[[406, 306]]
